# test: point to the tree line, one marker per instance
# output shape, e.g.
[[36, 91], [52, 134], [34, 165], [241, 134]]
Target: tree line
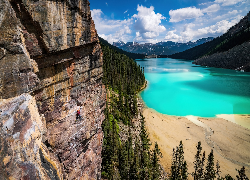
[[204, 168], [132, 158]]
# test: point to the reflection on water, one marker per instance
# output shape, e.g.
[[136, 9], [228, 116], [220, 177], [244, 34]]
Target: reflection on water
[[178, 87]]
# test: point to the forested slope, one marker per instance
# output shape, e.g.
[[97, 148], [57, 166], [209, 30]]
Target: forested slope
[[126, 153], [222, 48]]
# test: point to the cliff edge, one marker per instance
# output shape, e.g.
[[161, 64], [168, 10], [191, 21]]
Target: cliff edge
[[51, 65]]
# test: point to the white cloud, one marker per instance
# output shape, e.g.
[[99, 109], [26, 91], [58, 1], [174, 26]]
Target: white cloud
[[187, 34], [104, 26], [139, 38], [171, 36], [227, 16], [212, 18], [212, 8], [111, 30], [201, 4], [228, 2], [96, 13], [147, 23], [233, 12], [219, 28], [184, 13], [191, 31], [121, 35]]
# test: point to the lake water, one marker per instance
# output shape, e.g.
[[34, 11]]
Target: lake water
[[178, 87]]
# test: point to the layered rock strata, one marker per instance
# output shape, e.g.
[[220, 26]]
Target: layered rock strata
[[51, 65]]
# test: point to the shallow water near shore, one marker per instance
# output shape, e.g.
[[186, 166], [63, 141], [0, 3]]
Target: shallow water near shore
[[180, 88]]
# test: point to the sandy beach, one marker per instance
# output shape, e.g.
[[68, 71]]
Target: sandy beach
[[229, 140]]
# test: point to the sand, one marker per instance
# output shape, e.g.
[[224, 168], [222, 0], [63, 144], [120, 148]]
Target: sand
[[230, 141]]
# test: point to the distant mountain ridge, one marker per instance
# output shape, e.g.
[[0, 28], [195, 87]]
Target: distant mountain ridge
[[129, 54], [230, 50], [160, 48]]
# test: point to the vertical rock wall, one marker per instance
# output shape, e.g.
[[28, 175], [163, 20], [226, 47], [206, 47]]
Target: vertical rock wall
[[50, 55]]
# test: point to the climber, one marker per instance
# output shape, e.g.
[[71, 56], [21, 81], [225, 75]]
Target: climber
[[78, 115]]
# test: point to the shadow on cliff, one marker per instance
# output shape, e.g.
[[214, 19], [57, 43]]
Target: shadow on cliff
[[33, 27], [49, 62]]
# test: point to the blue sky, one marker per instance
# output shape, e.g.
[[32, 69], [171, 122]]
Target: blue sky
[[153, 21]]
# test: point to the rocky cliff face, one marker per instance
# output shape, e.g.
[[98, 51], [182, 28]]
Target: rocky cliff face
[[51, 65]]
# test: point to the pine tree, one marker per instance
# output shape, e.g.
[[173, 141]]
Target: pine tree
[[174, 167], [199, 163], [179, 166], [242, 174], [145, 155], [156, 162], [228, 177], [184, 173], [123, 161], [126, 158], [210, 172], [218, 170], [111, 144], [135, 167]]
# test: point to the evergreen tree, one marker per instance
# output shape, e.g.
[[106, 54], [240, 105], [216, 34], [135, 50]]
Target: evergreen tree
[[135, 167], [126, 158], [179, 166], [111, 144], [156, 162], [199, 163], [174, 167], [228, 177], [218, 170], [123, 161], [145, 155], [242, 174], [210, 172], [184, 173]]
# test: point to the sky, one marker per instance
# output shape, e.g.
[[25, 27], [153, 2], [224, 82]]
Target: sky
[[152, 21]]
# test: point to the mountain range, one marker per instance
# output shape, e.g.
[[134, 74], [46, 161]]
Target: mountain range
[[160, 48], [129, 54]]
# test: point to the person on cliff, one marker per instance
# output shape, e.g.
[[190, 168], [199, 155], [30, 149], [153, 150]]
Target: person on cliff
[[78, 114]]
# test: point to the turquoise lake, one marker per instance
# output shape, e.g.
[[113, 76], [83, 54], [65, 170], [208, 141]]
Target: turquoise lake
[[178, 87]]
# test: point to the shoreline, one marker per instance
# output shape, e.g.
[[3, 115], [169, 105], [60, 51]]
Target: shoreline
[[230, 141], [239, 119]]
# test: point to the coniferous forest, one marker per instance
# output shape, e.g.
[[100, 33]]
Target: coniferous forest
[[133, 157]]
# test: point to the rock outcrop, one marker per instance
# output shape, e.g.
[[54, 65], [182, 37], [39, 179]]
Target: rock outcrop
[[23, 155], [51, 65]]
